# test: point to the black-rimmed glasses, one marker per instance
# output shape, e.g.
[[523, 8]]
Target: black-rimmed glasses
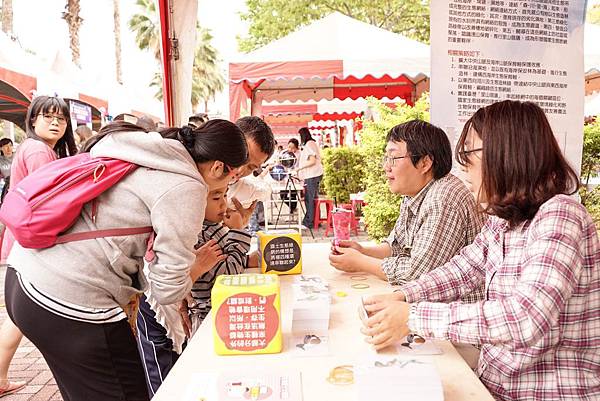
[[465, 153], [391, 160], [49, 118]]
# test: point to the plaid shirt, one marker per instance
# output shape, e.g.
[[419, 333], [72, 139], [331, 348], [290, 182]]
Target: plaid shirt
[[432, 227], [539, 326]]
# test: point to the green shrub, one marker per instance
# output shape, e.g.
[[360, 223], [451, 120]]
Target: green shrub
[[383, 207], [590, 166], [343, 172]]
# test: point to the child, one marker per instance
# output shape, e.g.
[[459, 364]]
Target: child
[[161, 333], [225, 227]]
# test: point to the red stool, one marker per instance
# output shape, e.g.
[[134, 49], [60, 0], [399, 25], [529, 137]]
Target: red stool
[[328, 208]]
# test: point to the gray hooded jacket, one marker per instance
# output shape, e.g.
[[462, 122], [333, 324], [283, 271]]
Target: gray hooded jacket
[[166, 192]]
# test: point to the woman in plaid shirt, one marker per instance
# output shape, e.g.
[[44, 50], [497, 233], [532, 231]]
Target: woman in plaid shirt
[[538, 256]]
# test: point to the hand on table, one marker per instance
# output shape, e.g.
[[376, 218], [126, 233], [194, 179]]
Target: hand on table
[[387, 325], [343, 243], [345, 259], [207, 256], [374, 303]]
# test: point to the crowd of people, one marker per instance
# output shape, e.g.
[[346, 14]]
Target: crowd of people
[[506, 260]]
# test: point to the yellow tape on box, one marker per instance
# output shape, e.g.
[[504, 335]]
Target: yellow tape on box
[[246, 314], [280, 251]]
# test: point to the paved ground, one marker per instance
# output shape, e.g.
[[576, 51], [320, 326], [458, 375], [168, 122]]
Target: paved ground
[[28, 364]]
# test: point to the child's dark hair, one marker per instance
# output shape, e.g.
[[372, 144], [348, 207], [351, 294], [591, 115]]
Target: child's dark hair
[[216, 139], [4, 142], [65, 146]]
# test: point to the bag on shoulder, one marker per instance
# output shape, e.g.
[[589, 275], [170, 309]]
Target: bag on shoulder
[[48, 201]]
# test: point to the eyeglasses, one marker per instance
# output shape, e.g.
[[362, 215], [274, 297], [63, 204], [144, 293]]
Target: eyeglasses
[[49, 118], [413, 338], [309, 339], [465, 153], [391, 160]]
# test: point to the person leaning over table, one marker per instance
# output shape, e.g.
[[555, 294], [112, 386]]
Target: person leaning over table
[[437, 218], [538, 256]]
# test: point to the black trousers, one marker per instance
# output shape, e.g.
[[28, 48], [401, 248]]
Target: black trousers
[[156, 349], [89, 361]]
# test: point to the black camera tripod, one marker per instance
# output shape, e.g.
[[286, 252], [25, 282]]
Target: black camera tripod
[[291, 188]]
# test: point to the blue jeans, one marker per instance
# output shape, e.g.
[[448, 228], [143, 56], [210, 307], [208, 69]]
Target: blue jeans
[[311, 192]]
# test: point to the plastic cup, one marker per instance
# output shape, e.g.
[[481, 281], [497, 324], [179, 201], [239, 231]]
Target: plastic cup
[[341, 224]]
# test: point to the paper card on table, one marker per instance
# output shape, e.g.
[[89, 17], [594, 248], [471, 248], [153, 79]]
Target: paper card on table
[[203, 387], [246, 385], [301, 345], [249, 384], [405, 378], [428, 347]]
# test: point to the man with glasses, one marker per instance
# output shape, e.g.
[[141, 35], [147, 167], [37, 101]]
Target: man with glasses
[[437, 218]]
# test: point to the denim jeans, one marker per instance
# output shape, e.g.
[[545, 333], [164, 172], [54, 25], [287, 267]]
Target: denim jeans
[[311, 188]]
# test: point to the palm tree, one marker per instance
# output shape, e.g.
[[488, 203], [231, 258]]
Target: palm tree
[[117, 22], [207, 78], [74, 21], [146, 27], [7, 17]]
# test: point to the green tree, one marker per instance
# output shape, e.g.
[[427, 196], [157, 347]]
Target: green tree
[[146, 26], [273, 19], [382, 207], [343, 172], [590, 166], [207, 78], [593, 14]]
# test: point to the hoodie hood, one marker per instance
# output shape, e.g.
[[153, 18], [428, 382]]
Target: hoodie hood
[[148, 150]]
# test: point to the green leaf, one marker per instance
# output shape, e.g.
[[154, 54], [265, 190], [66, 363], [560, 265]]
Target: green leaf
[[272, 19]]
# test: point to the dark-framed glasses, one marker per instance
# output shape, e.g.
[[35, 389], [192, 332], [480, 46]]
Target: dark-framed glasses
[[49, 118], [391, 160], [464, 154]]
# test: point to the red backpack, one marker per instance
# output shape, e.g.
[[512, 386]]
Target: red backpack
[[47, 202]]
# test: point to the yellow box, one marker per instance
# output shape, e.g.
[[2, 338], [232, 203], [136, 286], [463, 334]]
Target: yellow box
[[246, 314], [280, 251]]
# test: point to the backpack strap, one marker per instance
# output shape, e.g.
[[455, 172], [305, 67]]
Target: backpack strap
[[111, 232]]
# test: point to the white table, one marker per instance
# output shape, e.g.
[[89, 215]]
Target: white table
[[346, 345]]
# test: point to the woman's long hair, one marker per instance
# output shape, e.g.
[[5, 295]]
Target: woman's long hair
[[214, 140], [522, 165], [305, 135], [65, 146]]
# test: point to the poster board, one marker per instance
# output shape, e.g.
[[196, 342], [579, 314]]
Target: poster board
[[484, 51]]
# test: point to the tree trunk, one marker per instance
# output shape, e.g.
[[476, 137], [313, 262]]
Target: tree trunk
[[71, 15], [117, 19], [7, 16]]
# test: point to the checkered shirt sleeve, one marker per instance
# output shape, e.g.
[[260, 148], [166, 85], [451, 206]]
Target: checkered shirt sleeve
[[539, 326], [446, 221], [439, 235]]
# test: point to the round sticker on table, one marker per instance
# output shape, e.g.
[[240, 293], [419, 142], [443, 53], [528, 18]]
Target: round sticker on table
[[281, 254]]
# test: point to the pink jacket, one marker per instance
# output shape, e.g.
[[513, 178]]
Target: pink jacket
[[31, 155]]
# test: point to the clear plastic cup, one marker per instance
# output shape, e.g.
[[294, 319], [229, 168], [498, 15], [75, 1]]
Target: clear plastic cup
[[342, 218]]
